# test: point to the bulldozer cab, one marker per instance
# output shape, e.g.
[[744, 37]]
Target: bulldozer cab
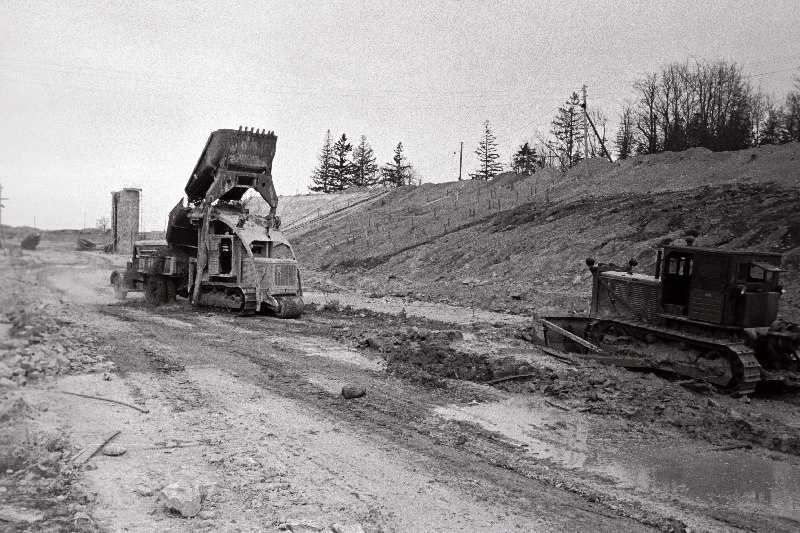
[[729, 288]]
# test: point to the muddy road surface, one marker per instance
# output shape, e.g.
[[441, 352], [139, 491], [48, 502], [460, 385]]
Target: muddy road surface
[[250, 412]]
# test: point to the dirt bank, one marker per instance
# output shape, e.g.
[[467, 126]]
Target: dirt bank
[[519, 244]]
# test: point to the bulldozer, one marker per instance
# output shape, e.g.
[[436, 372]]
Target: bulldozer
[[216, 252], [705, 313]]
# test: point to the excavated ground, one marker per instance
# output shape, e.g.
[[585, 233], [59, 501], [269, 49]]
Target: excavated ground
[[250, 409], [518, 244], [422, 297]]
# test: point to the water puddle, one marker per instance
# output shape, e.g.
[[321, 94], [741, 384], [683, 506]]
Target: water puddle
[[734, 478]]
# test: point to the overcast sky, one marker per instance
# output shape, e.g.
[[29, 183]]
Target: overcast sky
[[96, 96]]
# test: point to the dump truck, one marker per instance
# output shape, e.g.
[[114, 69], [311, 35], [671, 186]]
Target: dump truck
[[705, 313], [217, 253]]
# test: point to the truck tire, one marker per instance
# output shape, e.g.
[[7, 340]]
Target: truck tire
[[155, 290], [172, 290], [120, 290]]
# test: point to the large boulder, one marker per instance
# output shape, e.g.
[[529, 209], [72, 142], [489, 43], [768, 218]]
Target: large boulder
[[183, 498]]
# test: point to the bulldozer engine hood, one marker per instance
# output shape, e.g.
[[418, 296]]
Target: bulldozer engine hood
[[248, 231]]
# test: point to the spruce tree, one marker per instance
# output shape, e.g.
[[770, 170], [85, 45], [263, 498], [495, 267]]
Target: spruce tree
[[342, 168], [398, 171], [526, 161], [322, 174], [365, 169], [489, 164]]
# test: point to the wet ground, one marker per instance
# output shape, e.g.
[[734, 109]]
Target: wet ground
[[727, 479], [253, 405]]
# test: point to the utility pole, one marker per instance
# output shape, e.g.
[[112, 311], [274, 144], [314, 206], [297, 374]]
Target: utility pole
[[585, 132], [460, 160]]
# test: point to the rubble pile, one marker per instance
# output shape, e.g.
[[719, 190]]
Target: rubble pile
[[37, 342], [37, 484]]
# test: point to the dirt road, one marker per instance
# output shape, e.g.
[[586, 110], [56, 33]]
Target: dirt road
[[251, 410]]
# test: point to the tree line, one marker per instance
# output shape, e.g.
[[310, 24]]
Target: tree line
[[709, 105], [341, 166], [685, 105]]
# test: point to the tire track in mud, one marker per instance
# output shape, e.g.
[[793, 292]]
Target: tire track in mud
[[259, 350], [453, 446]]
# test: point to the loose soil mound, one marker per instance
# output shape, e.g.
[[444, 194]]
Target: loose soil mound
[[520, 244]]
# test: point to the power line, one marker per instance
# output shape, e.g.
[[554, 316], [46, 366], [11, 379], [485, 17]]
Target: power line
[[431, 107], [772, 72]]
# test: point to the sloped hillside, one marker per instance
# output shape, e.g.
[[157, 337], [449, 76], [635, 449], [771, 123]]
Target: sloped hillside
[[520, 244]]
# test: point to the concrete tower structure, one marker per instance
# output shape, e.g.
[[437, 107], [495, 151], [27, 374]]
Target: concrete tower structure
[[125, 219]]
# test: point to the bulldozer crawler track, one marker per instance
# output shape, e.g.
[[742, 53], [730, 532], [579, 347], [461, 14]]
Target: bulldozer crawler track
[[744, 367]]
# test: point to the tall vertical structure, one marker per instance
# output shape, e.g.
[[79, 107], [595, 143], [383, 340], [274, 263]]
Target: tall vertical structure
[[125, 219]]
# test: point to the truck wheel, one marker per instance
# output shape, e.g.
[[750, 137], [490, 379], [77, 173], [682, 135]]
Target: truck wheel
[[155, 290], [120, 292], [172, 290]]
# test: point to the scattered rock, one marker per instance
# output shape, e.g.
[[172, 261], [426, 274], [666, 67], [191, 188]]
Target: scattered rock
[[347, 528], [447, 334], [183, 498], [374, 342], [207, 515], [19, 516], [143, 490], [301, 526], [113, 450], [353, 391]]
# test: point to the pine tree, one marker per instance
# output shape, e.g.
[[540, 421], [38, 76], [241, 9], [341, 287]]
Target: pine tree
[[790, 127], [526, 161], [342, 168], [365, 169], [489, 166], [771, 131], [566, 129], [321, 176], [398, 171]]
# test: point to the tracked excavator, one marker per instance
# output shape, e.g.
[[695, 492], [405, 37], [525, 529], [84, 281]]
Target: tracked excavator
[[217, 253], [705, 313]]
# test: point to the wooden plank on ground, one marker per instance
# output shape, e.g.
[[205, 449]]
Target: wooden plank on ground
[[571, 336], [87, 453]]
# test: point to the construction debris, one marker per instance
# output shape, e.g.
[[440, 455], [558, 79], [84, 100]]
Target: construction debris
[[126, 404], [88, 452]]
